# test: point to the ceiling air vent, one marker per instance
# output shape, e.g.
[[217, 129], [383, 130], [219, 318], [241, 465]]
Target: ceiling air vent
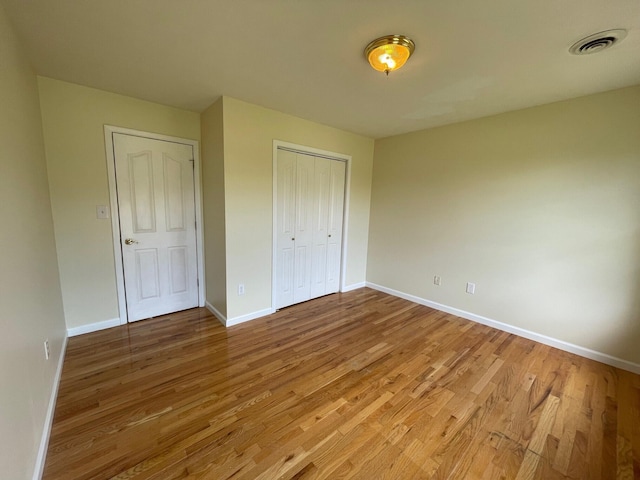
[[597, 42]]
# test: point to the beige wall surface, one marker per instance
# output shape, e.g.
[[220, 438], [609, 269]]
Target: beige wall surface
[[249, 132], [30, 299], [538, 207], [212, 151], [73, 119]]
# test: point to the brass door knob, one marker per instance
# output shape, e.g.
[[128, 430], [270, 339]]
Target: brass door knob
[[130, 241]]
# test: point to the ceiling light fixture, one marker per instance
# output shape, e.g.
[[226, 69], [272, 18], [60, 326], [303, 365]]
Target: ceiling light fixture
[[389, 53]]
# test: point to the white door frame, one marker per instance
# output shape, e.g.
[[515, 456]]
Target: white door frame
[[109, 130], [345, 217]]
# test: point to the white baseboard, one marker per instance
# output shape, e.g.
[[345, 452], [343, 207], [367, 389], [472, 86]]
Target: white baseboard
[[353, 286], [521, 332], [93, 327], [229, 322], [249, 316], [216, 313], [48, 420]]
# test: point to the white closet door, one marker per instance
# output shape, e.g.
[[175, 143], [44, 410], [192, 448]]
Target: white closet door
[[309, 203], [320, 227], [305, 167], [334, 228]]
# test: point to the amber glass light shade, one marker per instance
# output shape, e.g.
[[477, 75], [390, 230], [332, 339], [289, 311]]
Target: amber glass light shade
[[389, 53]]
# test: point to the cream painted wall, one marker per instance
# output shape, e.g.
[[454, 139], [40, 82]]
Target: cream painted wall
[[539, 208], [30, 299], [212, 152], [249, 131], [73, 119]]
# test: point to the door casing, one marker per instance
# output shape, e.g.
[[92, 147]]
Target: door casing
[[109, 130], [345, 217]]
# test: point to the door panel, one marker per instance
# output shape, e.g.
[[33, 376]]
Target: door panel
[[301, 282], [178, 270], [285, 277], [305, 165], [174, 194], [141, 195], [146, 274], [334, 229], [285, 227], [157, 224], [333, 268], [320, 226]]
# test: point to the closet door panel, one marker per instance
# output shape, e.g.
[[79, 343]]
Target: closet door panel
[[320, 227], [334, 225], [285, 227], [305, 191]]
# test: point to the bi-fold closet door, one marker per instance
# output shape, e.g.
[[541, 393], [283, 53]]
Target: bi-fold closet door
[[309, 212]]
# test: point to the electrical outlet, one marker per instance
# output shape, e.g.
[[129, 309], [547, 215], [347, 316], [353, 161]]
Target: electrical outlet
[[241, 289], [436, 280], [471, 288], [47, 350]]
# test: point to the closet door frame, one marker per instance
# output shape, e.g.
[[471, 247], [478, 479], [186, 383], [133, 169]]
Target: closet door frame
[[345, 217]]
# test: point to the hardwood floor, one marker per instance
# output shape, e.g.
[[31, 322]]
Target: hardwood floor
[[357, 385]]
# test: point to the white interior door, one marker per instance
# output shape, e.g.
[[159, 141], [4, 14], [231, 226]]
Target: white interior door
[[309, 214], [156, 204]]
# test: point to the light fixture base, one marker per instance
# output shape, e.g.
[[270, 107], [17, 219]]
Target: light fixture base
[[389, 53]]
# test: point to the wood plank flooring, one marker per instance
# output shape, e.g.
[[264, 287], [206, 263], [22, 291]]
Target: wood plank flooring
[[357, 385]]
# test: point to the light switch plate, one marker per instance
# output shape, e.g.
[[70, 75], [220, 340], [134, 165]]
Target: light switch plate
[[102, 211]]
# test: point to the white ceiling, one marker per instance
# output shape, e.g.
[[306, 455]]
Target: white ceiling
[[305, 57]]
